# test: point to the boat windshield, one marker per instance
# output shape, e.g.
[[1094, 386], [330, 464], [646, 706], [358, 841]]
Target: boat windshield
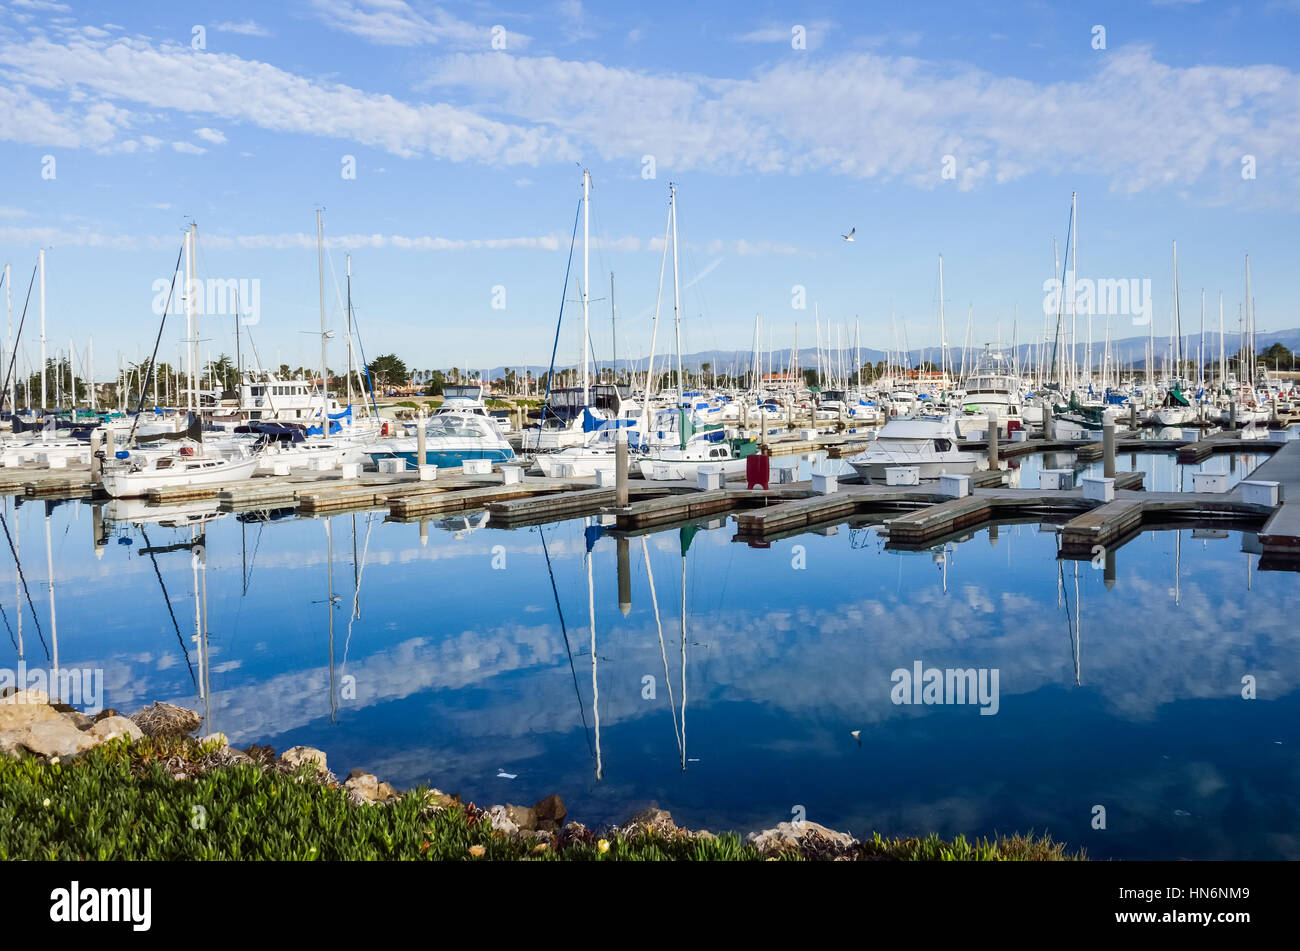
[[458, 427]]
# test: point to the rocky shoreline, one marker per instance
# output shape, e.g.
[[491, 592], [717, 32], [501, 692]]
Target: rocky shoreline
[[32, 726]]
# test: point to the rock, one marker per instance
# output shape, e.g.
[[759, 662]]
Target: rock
[[550, 813], [24, 707], [655, 820], [522, 816], [166, 720], [105, 714], [362, 787], [439, 799], [388, 791], [298, 755], [111, 727], [501, 822], [37, 697], [56, 737], [81, 721], [802, 834]]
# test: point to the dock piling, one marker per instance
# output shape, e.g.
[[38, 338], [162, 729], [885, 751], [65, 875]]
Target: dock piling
[[1108, 448], [993, 444], [620, 468], [419, 439]]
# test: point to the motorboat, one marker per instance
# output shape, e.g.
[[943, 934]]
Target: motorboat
[[930, 443], [450, 439]]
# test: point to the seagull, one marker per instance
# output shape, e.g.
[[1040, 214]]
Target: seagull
[[857, 735], [502, 774], [849, 236]]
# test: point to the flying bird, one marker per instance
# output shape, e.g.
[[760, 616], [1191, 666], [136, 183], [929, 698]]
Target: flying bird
[[849, 236]]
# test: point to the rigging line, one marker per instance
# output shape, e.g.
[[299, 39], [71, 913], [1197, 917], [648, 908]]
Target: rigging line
[[23, 578], [550, 373], [13, 357], [153, 359], [356, 593], [5, 614], [663, 651], [565, 631], [157, 573]]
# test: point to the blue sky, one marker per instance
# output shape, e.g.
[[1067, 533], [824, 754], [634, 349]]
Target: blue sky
[[468, 165]]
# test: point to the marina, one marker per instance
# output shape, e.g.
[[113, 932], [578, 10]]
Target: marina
[[446, 434]]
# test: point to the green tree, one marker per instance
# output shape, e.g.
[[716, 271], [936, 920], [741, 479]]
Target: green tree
[[387, 370]]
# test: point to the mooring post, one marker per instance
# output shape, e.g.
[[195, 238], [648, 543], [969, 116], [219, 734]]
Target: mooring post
[[620, 468], [1108, 449], [1132, 414], [993, 444], [419, 439], [624, 576], [1232, 414], [96, 459]]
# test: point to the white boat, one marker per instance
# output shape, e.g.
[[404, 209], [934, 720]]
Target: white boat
[[930, 443], [450, 439], [671, 463], [186, 467]]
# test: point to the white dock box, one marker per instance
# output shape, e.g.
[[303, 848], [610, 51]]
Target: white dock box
[[1056, 479], [390, 466], [1191, 435], [1261, 493], [955, 486], [511, 475], [808, 434], [1279, 435], [1020, 435], [708, 477], [903, 475], [426, 473], [476, 466], [321, 464], [283, 468], [825, 483], [1209, 482], [606, 478], [351, 470], [1098, 489]]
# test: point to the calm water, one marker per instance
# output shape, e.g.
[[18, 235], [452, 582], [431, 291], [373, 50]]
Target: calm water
[[468, 656]]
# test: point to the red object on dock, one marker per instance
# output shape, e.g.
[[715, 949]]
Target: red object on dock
[[757, 469]]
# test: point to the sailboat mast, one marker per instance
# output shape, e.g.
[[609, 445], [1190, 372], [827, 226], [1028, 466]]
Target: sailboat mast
[[1178, 321], [320, 272], [349, 326], [42, 257], [586, 249], [677, 314]]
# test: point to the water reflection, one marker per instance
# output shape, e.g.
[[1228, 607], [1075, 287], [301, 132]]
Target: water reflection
[[569, 656]]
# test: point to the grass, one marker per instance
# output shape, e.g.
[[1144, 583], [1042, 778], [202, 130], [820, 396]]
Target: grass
[[122, 801]]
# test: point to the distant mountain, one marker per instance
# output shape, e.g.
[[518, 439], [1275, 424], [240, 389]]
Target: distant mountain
[[1129, 351]]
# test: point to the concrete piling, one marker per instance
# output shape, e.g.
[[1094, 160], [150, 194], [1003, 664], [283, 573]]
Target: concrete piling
[[620, 467], [1108, 449]]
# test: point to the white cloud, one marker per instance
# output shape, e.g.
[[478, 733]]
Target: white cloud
[[92, 73], [215, 136], [242, 27], [188, 148], [814, 32], [1135, 120], [396, 23], [12, 212]]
